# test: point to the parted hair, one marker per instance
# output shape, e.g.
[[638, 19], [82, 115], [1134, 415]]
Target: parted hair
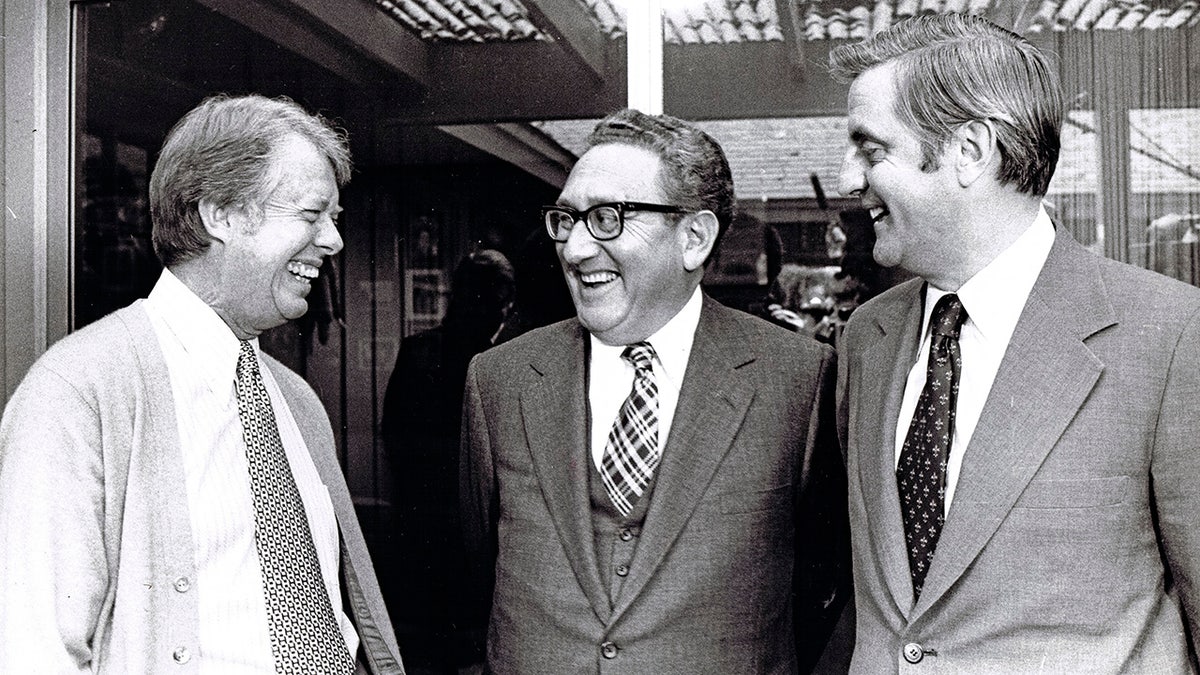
[[957, 68], [695, 173], [222, 150]]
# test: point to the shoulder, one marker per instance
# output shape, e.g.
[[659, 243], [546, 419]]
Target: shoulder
[[1134, 290], [534, 345], [736, 332], [103, 352], [901, 295], [295, 389]]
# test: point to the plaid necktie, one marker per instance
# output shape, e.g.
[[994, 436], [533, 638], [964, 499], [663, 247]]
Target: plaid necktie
[[632, 452], [921, 473], [305, 637]]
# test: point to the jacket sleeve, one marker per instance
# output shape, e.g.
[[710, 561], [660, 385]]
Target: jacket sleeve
[[54, 576], [822, 577], [1175, 468], [478, 499]]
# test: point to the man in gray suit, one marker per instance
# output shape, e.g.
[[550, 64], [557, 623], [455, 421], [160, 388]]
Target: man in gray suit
[[1022, 468], [655, 486]]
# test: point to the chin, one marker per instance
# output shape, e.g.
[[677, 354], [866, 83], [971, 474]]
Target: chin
[[293, 310]]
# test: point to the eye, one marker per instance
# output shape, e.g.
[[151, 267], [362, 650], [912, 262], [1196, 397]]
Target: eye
[[874, 154]]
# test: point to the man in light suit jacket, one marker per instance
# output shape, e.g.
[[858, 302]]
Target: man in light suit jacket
[[680, 515], [1023, 473]]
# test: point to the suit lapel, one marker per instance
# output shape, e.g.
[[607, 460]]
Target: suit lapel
[[555, 412], [882, 376], [1045, 376], [712, 404]]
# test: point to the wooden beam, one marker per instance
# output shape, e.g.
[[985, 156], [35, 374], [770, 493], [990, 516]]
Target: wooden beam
[[519, 145], [512, 81], [571, 27], [321, 31]]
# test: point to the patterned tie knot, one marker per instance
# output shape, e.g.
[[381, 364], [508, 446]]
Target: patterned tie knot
[[948, 317], [640, 354], [247, 363]]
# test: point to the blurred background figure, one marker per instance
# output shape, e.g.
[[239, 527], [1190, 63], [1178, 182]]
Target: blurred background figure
[[541, 292], [420, 428]]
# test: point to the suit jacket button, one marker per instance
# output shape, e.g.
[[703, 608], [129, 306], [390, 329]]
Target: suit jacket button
[[622, 570], [183, 584], [608, 650], [181, 655], [913, 652], [626, 534]]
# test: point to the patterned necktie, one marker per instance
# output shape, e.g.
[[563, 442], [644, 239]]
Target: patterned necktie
[[305, 637], [632, 452], [921, 473]]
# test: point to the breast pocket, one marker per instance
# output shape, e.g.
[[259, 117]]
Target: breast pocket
[[1074, 493]]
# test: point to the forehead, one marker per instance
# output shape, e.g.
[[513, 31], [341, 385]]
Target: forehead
[[299, 167], [871, 103], [613, 172]]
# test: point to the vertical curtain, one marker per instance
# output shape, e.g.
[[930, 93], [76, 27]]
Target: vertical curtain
[[1128, 183]]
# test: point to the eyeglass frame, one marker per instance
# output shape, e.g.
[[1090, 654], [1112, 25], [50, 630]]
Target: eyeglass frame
[[621, 209]]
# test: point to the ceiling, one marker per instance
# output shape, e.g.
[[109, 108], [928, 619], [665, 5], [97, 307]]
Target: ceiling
[[486, 71]]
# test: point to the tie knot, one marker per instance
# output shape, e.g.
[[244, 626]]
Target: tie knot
[[640, 354], [948, 316], [247, 363]]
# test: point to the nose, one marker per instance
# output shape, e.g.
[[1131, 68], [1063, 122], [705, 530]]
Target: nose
[[579, 246], [852, 179], [328, 239]]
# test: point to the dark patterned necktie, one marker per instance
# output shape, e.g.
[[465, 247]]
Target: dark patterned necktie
[[921, 472], [305, 637], [632, 452]]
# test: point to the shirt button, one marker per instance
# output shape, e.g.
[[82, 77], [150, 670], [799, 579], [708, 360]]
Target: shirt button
[[183, 584], [181, 655], [608, 650], [913, 652], [622, 570], [626, 534]]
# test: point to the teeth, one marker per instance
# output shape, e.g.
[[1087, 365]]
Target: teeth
[[877, 213], [302, 270], [597, 277]]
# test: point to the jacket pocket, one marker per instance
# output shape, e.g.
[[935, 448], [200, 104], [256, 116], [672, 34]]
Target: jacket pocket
[[1073, 493]]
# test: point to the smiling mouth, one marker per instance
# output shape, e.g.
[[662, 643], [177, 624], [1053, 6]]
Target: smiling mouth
[[303, 271], [878, 213], [594, 279]]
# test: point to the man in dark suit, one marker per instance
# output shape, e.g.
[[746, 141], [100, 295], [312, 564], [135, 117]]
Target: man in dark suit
[[1020, 421], [653, 486]]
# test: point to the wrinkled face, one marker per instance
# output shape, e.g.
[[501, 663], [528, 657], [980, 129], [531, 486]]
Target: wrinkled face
[[273, 256], [624, 289], [911, 209]]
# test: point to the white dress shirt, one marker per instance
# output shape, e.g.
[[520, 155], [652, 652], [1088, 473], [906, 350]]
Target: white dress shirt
[[994, 299], [201, 354], [610, 377]]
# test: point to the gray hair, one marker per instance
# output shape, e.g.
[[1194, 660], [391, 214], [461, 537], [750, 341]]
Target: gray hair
[[695, 173], [222, 151], [956, 68]]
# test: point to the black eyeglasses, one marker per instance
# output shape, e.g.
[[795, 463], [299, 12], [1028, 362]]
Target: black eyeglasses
[[603, 221]]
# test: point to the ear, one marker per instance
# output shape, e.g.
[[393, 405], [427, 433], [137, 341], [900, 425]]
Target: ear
[[700, 236], [976, 151], [219, 221]]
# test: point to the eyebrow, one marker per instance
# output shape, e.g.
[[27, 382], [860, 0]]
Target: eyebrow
[[860, 136]]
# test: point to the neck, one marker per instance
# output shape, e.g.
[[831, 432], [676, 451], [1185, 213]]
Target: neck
[[990, 229], [204, 280]]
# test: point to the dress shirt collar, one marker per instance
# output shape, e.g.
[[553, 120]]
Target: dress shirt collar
[[995, 297], [204, 336], [672, 343]]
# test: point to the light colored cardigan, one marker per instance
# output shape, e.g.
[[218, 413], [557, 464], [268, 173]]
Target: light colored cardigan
[[96, 564]]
